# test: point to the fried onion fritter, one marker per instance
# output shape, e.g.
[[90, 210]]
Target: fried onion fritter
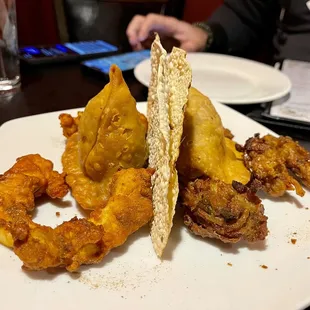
[[78, 241], [214, 209], [275, 163]]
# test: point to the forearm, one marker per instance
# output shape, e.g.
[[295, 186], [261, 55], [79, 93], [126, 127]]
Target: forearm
[[239, 26]]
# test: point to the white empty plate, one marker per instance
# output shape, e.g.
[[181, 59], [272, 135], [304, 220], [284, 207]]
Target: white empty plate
[[228, 79]]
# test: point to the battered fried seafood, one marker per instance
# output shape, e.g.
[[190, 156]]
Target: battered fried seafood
[[275, 164], [78, 241], [214, 209], [30, 177], [111, 136]]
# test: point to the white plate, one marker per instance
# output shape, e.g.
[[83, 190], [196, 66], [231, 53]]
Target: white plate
[[228, 79], [194, 273]]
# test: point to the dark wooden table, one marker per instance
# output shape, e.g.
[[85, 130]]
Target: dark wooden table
[[56, 87], [64, 86]]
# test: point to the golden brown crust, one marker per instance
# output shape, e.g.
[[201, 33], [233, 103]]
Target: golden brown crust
[[111, 136], [205, 151], [273, 163], [217, 210], [78, 241], [69, 123], [88, 193], [30, 177]]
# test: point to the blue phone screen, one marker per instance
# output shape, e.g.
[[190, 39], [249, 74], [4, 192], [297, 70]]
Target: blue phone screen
[[91, 47], [125, 62], [75, 48]]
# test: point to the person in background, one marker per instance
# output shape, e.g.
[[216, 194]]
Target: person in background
[[237, 27]]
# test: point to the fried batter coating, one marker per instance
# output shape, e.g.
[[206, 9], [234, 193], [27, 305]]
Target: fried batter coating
[[111, 136], [69, 245], [273, 161], [30, 177], [112, 132], [218, 210], [78, 241], [81, 241], [207, 149], [129, 206], [88, 193], [69, 123]]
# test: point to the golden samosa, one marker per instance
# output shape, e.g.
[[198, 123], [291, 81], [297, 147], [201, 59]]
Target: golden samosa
[[111, 136], [205, 151], [112, 131]]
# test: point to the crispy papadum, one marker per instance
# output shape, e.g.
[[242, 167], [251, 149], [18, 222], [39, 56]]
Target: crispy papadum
[[168, 93]]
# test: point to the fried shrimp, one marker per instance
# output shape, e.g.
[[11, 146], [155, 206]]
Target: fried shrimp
[[30, 177], [78, 241]]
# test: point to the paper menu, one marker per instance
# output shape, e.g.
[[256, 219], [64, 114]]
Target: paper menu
[[297, 105]]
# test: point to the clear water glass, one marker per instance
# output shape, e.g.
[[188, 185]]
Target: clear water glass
[[9, 61]]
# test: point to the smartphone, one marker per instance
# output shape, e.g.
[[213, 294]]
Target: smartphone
[[125, 62], [65, 52]]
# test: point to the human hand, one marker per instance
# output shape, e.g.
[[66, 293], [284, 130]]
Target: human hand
[[191, 38]]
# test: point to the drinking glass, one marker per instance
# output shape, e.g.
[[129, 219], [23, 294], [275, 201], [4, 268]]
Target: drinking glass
[[9, 62]]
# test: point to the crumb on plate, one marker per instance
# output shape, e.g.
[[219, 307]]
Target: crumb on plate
[[57, 213], [229, 264], [264, 266], [293, 241]]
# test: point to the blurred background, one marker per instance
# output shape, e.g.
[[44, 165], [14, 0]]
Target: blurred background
[[56, 21]]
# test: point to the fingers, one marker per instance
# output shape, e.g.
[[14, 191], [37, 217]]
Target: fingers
[[133, 30], [163, 24], [141, 26]]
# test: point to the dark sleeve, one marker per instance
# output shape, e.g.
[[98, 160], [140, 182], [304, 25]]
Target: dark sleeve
[[240, 26]]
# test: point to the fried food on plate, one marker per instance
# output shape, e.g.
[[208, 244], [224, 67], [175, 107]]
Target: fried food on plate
[[111, 136], [88, 193], [168, 92], [129, 206], [78, 241], [277, 164], [215, 209], [81, 241], [69, 123], [205, 151], [30, 177]]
